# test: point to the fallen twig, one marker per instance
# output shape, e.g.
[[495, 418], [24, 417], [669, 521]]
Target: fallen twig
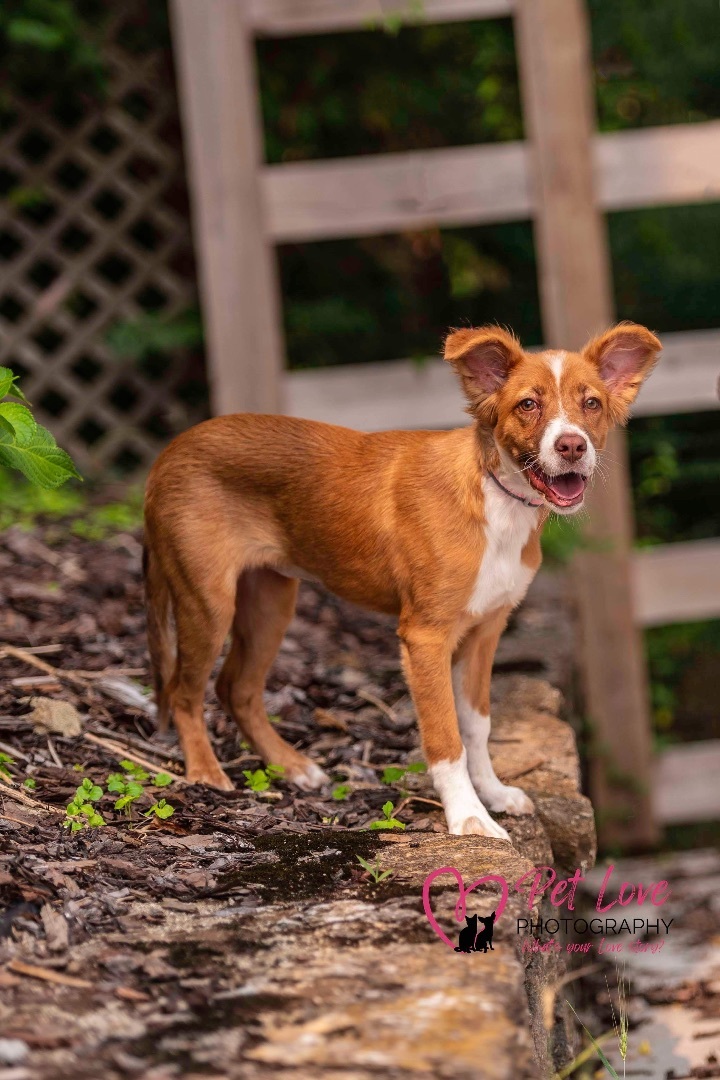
[[26, 800], [122, 750], [33, 971]]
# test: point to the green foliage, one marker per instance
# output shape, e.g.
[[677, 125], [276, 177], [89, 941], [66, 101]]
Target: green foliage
[[25, 445], [83, 816], [5, 760], [341, 792], [261, 779], [392, 774], [138, 339], [29, 783], [160, 809], [375, 871], [88, 791], [387, 821], [674, 653], [47, 46]]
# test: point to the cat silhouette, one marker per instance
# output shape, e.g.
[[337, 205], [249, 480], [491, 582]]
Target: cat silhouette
[[467, 935], [485, 936]]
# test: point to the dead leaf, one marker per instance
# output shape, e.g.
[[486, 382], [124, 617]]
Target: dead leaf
[[57, 717], [33, 971], [127, 993], [325, 719], [56, 928]]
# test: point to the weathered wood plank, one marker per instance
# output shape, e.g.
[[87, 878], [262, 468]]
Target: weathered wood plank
[[278, 18], [403, 394], [677, 582], [355, 197], [686, 785], [473, 185], [659, 166], [222, 136], [553, 41], [686, 377]]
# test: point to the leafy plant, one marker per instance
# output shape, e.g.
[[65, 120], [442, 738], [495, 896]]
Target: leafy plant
[[261, 779], [161, 809], [375, 871], [387, 821], [88, 791], [29, 783], [340, 792], [83, 816], [392, 774], [24, 444], [5, 760]]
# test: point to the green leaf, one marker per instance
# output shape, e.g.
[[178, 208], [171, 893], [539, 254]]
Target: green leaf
[[7, 759], [388, 809], [162, 779], [40, 459], [598, 1051], [164, 810], [21, 421], [417, 767], [6, 381], [88, 792], [274, 771], [116, 782], [134, 790], [391, 774], [72, 809], [123, 801], [341, 792], [36, 34], [29, 783]]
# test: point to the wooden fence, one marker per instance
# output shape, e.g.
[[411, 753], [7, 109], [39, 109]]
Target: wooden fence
[[564, 177]]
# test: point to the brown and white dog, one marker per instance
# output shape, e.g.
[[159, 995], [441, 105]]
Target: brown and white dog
[[441, 528]]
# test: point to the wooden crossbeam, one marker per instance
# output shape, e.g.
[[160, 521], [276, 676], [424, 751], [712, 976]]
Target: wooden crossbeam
[[475, 185], [677, 582], [282, 18]]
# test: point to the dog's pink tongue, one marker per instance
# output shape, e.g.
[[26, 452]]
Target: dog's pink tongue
[[568, 485]]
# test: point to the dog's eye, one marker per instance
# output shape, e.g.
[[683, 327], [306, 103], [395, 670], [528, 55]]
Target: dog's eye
[[528, 405], [592, 403]]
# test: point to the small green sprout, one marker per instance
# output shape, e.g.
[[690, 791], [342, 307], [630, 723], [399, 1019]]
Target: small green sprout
[[136, 771], [29, 783], [6, 760], [88, 792], [82, 816], [261, 779], [388, 821], [161, 809], [340, 792], [376, 872], [394, 773], [162, 779]]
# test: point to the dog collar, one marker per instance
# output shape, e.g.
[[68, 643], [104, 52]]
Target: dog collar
[[524, 499]]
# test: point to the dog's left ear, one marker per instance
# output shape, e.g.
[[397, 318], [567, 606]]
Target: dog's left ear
[[624, 356]]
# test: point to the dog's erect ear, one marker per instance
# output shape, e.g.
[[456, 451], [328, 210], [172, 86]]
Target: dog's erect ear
[[624, 356], [483, 358]]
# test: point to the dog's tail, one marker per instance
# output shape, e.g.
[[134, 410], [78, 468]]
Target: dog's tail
[[161, 644]]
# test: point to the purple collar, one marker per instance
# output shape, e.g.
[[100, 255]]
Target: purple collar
[[524, 499]]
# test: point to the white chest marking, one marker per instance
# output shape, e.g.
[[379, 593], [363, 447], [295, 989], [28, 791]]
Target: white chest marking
[[503, 579]]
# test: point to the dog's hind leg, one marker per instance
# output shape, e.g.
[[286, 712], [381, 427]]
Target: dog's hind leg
[[265, 605], [202, 621]]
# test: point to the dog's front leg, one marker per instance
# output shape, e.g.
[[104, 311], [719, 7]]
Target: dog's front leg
[[427, 657], [471, 672]]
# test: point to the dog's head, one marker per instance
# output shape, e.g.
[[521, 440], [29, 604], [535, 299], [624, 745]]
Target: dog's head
[[550, 412]]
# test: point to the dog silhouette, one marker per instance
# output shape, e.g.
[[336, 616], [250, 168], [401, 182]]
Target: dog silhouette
[[485, 936], [468, 935]]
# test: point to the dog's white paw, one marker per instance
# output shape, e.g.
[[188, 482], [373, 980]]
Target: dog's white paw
[[508, 800], [309, 778], [476, 826]]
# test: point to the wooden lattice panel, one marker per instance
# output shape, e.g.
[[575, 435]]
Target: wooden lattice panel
[[104, 236]]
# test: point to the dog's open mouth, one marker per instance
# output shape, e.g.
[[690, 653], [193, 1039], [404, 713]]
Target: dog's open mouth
[[566, 489]]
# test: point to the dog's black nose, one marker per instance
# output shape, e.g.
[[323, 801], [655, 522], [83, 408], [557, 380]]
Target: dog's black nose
[[571, 447]]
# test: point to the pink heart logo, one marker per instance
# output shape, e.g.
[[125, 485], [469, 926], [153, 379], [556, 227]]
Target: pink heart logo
[[461, 905]]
